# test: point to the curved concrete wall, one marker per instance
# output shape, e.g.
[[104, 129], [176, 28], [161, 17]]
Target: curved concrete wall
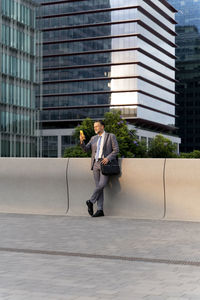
[[183, 189], [147, 188], [33, 185], [81, 184], [138, 193]]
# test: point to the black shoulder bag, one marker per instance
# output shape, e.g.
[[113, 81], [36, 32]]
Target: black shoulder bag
[[112, 167]]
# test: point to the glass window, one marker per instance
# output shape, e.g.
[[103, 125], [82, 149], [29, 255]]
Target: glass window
[[50, 146]]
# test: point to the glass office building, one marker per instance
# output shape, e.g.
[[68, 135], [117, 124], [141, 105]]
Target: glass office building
[[18, 77], [188, 73], [103, 55]]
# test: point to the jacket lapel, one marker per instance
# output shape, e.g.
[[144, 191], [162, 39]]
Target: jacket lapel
[[105, 139], [95, 144]]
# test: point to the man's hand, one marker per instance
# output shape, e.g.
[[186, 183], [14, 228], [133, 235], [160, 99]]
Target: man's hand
[[82, 138], [104, 161]]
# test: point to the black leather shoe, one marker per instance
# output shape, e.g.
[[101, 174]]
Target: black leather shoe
[[99, 213], [90, 207]]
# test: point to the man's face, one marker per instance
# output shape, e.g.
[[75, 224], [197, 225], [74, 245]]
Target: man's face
[[98, 128]]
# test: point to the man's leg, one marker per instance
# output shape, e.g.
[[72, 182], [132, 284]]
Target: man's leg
[[100, 181], [96, 173]]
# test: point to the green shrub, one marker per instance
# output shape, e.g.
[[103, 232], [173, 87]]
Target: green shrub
[[162, 147], [194, 154], [75, 151]]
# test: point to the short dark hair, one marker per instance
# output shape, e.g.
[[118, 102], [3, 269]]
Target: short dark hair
[[101, 122]]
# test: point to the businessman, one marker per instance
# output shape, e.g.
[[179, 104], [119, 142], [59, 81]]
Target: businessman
[[104, 148]]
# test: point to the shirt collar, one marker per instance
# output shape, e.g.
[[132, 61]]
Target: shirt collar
[[103, 134]]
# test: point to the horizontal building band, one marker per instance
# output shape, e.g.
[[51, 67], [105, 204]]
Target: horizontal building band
[[119, 36], [16, 108], [155, 20], [98, 80], [140, 36], [156, 59], [110, 28], [155, 7], [169, 6], [110, 106], [100, 25], [104, 17], [110, 78], [160, 11], [138, 122], [73, 114], [113, 50], [157, 34], [93, 101], [86, 12], [59, 2], [107, 92], [88, 39], [19, 24], [144, 123], [108, 65], [164, 2], [127, 118], [129, 57], [87, 25], [115, 36], [143, 11]]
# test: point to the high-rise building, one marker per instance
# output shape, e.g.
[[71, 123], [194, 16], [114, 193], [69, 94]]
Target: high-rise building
[[18, 78], [188, 73], [102, 55]]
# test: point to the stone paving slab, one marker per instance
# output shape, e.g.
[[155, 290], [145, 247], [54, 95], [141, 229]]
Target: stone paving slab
[[36, 276], [110, 236]]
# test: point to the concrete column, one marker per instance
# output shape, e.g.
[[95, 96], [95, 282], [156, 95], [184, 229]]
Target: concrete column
[[59, 146], [0, 143]]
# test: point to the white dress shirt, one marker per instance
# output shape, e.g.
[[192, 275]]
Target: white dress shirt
[[101, 145]]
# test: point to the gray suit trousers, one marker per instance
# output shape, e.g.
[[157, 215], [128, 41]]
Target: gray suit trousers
[[100, 181]]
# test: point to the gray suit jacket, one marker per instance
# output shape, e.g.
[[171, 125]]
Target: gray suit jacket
[[111, 148]]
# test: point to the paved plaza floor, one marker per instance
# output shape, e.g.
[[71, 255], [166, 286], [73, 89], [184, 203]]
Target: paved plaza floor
[[84, 258]]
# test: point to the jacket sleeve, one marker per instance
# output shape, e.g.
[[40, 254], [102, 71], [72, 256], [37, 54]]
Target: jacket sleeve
[[115, 148], [87, 147]]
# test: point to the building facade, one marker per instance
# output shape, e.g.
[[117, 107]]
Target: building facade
[[188, 73], [103, 55], [18, 77]]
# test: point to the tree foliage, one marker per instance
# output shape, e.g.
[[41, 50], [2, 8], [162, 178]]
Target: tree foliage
[[75, 151], [129, 145], [162, 147]]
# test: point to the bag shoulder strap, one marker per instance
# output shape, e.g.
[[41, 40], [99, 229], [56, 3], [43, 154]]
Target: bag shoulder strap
[[105, 143]]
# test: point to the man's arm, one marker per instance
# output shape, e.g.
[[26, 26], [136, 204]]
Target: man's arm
[[115, 148], [87, 147]]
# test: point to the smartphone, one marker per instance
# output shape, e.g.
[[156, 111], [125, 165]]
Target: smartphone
[[82, 134]]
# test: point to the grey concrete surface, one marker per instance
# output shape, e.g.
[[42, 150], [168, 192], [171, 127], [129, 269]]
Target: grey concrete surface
[[85, 265], [182, 189], [33, 185]]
